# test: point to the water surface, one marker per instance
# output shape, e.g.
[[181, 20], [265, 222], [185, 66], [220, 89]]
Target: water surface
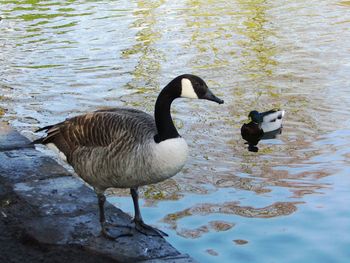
[[286, 203]]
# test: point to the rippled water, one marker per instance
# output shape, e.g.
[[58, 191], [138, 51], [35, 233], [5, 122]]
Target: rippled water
[[286, 203]]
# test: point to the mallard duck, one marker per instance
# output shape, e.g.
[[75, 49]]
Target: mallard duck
[[264, 125]]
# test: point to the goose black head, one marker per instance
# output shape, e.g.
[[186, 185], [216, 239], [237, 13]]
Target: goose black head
[[255, 116], [195, 88]]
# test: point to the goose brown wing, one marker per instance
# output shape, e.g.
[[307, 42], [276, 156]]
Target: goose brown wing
[[105, 128]]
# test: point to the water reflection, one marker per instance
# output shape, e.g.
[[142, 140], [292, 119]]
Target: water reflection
[[258, 49], [147, 70], [43, 38], [257, 56], [38, 13], [276, 209], [210, 23]]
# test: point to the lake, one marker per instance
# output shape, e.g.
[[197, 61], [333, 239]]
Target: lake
[[285, 203]]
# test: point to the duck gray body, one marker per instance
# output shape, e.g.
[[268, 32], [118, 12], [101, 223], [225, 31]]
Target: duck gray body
[[127, 148]]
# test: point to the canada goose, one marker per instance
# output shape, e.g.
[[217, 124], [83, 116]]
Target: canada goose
[[265, 125], [127, 148]]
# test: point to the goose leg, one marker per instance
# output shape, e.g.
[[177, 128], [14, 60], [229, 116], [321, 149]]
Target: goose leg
[[104, 224], [139, 224]]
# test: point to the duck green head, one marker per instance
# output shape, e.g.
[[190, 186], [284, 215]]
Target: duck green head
[[255, 116]]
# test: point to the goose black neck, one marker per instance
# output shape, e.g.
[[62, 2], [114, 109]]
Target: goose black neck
[[164, 122]]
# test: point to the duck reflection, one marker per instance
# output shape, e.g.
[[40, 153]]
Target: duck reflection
[[263, 126]]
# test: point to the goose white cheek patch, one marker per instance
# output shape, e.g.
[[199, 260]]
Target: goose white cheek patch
[[187, 90]]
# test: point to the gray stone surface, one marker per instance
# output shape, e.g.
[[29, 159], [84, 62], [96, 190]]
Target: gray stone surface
[[10, 139], [62, 210]]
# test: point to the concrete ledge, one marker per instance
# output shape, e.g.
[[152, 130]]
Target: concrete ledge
[[57, 211]]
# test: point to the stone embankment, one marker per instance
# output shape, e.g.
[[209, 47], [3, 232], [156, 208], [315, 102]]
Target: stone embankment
[[48, 215]]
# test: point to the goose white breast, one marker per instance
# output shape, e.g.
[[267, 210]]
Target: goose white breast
[[169, 158]]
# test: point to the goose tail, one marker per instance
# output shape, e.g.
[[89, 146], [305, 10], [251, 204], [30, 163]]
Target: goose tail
[[44, 128], [43, 140], [37, 141]]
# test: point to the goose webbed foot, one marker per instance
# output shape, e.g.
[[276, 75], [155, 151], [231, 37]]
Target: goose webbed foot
[[108, 229], [140, 226], [148, 230], [114, 231]]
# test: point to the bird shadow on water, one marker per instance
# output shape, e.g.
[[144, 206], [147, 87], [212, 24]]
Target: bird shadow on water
[[266, 136]]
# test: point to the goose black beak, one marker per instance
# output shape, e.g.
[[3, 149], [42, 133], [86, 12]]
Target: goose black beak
[[210, 96]]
